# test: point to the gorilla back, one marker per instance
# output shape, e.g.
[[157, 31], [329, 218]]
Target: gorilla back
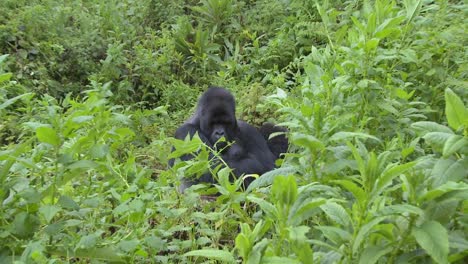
[[215, 118]]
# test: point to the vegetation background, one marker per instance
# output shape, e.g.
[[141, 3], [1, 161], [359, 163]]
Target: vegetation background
[[373, 93]]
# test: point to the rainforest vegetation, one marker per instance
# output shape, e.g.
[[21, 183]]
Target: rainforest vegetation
[[373, 94]]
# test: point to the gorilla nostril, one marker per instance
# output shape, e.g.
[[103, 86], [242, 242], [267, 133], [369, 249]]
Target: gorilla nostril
[[219, 133]]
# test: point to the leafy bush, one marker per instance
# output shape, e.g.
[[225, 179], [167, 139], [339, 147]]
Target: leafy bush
[[373, 94]]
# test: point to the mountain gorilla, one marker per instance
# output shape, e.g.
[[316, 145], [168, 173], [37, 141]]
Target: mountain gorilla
[[249, 151]]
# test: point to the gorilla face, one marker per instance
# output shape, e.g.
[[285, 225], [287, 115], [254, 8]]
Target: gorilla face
[[217, 117]]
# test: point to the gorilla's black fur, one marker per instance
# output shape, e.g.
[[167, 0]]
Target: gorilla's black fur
[[250, 151]]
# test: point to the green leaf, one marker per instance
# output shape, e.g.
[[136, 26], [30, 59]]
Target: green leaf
[[216, 254], [455, 111], [305, 210], [454, 144], [24, 225], [48, 135], [83, 164], [82, 119], [389, 174], [107, 254], [68, 203], [14, 99], [357, 191], [308, 141], [372, 254], [446, 170], [345, 135], [338, 235], [336, 213], [424, 127], [87, 241], [437, 139], [364, 232], [433, 238], [5, 77], [266, 207], [49, 211], [268, 178], [284, 190]]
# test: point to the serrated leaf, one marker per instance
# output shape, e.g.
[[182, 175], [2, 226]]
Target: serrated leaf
[[220, 255], [391, 173], [305, 210], [437, 139], [336, 213], [424, 127], [433, 238], [453, 144], [335, 234], [48, 135], [364, 232], [455, 111], [446, 170], [357, 191]]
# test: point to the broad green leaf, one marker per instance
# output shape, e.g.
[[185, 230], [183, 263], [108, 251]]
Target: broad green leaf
[[372, 254], [284, 190], [455, 111], [446, 170], [106, 254], [308, 141], [357, 191], [24, 225], [400, 209], [14, 99], [336, 213], [444, 189], [335, 234], [243, 245], [87, 241], [267, 207], [412, 8], [83, 164], [305, 210], [49, 211], [221, 255], [454, 144], [5, 77], [437, 139], [298, 233], [363, 232], [268, 178], [68, 203], [82, 119], [279, 260], [48, 135], [433, 238], [424, 127], [346, 135], [389, 174]]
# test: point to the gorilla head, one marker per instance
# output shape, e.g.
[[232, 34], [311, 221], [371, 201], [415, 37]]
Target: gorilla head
[[217, 116]]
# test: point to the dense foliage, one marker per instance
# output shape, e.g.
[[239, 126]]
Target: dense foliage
[[373, 93]]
